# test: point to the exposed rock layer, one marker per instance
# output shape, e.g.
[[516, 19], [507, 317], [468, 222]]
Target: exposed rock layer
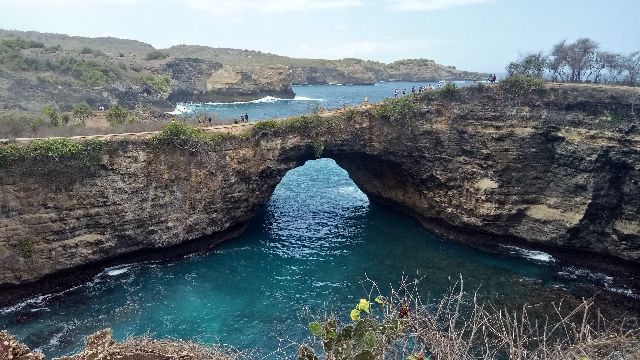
[[559, 169]]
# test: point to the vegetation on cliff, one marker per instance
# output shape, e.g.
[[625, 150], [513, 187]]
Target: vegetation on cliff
[[179, 135], [580, 61], [56, 151]]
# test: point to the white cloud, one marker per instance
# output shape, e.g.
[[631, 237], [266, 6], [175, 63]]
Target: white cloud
[[427, 5], [236, 7]]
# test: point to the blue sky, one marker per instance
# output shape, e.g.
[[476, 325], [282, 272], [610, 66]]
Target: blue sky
[[481, 35]]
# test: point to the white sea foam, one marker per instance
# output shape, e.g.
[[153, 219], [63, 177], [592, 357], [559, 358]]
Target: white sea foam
[[599, 278], [264, 100], [38, 300], [117, 271], [530, 254]]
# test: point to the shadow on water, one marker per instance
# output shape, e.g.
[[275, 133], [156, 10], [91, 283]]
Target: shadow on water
[[309, 248]]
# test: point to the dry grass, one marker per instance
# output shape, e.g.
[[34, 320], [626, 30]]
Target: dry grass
[[460, 328], [18, 125]]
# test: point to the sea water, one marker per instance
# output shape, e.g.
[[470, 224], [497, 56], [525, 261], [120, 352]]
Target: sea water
[[308, 251]]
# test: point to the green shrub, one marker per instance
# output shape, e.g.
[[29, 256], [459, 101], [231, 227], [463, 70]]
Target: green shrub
[[35, 124], [81, 112], [318, 148], [54, 151], [522, 85], [156, 55], [266, 125], [90, 75], [159, 83], [14, 124], [306, 124], [366, 338], [117, 115], [65, 118], [449, 91], [52, 114], [180, 135], [20, 44], [394, 109]]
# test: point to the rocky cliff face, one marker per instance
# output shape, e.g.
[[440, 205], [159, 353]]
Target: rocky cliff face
[[359, 72], [200, 80], [560, 168]]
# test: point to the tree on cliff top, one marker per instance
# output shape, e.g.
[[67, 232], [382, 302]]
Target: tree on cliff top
[[580, 61]]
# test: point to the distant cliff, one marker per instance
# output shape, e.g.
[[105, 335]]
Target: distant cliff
[[559, 166], [38, 69]]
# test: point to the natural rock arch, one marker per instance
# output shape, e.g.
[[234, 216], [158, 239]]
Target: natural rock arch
[[545, 168]]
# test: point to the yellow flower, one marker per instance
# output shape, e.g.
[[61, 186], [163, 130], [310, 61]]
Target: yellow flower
[[355, 314]]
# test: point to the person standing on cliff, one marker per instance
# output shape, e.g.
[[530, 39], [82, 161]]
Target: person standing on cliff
[[396, 94], [246, 117], [404, 92]]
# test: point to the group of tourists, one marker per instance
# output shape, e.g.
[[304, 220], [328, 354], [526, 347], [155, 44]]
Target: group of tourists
[[421, 89], [243, 119]]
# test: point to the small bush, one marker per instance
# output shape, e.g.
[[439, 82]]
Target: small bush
[[156, 55], [522, 85], [180, 135], [318, 148], [20, 44], [117, 115], [449, 91], [266, 125], [159, 83], [394, 109], [52, 114], [13, 124], [89, 75], [65, 118], [81, 112]]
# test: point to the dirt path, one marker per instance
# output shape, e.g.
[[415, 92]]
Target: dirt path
[[232, 128]]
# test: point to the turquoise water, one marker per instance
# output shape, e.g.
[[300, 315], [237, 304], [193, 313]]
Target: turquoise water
[[309, 248], [309, 97]]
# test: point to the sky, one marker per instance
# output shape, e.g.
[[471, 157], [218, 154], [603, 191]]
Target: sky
[[476, 35]]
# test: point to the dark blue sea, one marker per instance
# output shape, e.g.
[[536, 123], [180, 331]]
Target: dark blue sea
[[308, 251]]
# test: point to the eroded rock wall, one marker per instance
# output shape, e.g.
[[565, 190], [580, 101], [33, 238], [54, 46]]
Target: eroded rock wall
[[560, 169]]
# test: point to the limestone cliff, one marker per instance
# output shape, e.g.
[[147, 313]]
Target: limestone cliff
[[560, 168]]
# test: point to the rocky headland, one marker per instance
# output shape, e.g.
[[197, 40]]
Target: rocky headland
[[38, 69], [556, 167]]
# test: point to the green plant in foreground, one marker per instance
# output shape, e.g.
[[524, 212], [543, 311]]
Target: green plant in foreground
[[364, 339]]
